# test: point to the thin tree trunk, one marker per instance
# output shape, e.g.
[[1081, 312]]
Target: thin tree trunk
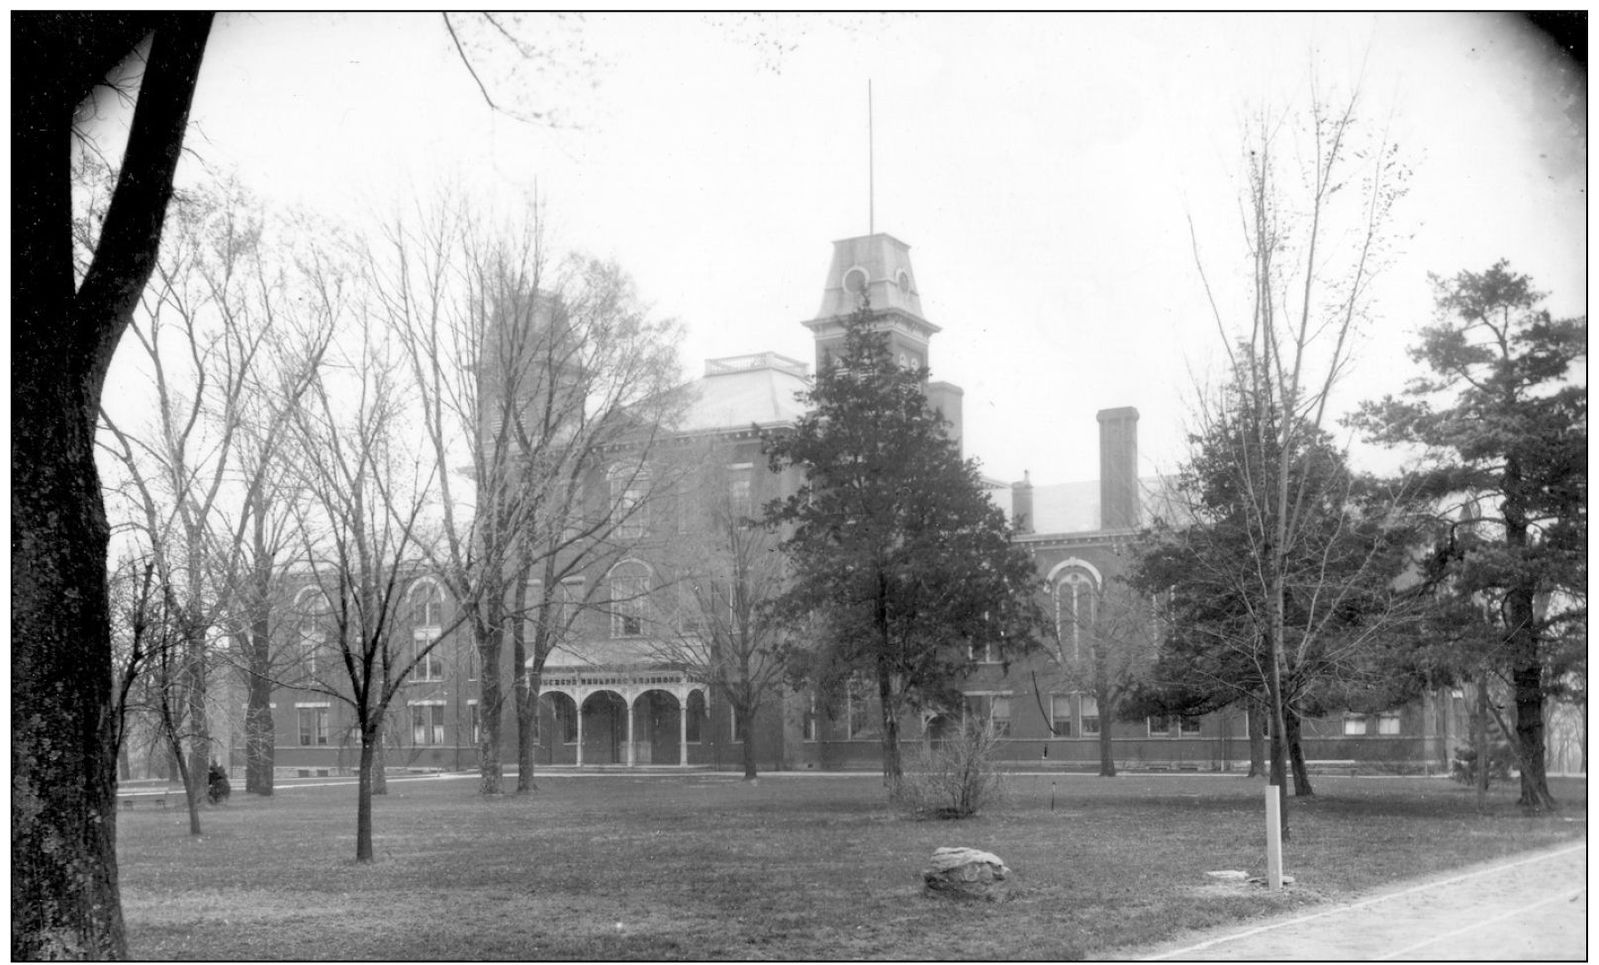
[[380, 763], [893, 770], [1256, 722], [1296, 755], [486, 629], [524, 696], [1107, 753], [748, 713], [1484, 746], [363, 798], [260, 737], [194, 694]]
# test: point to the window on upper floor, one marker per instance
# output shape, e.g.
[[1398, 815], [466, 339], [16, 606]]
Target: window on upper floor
[[427, 605], [1076, 610], [629, 487], [630, 588], [740, 492]]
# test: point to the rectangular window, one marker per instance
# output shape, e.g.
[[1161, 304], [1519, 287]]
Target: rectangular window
[[1090, 719], [999, 716], [1354, 725], [1188, 727], [313, 726], [740, 725], [862, 722], [1160, 726], [628, 594], [739, 494], [627, 502], [429, 664], [1388, 723], [474, 722], [427, 725], [1060, 715]]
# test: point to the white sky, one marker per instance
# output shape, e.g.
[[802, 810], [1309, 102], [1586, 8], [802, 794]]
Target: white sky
[[1042, 168]]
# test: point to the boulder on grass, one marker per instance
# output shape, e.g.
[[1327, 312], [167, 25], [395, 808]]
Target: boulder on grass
[[968, 874]]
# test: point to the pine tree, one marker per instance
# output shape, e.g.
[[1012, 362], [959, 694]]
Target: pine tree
[[900, 564], [1503, 416]]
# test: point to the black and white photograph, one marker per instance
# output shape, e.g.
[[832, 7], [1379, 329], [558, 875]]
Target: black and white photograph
[[802, 486]]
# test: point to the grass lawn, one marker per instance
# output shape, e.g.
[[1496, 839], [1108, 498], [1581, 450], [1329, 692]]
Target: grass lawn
[[702, 866]]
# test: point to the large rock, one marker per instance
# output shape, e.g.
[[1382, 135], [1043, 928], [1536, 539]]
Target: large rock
[[967, 873]]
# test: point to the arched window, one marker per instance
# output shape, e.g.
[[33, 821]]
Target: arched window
[[1076, 609], [427, 617], [630, 588], [427, 604], [311, 614]]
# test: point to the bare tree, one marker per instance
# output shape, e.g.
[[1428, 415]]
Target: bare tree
[[550, 385], [726, 573], [1315, 238], [1105, 646], [361, 522]]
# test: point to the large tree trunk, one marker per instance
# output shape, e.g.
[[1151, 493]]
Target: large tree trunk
[[194, 673], [1296, 755], [1107, 713], [1526, 676], [64, 897], [491, 699], [260, 738]]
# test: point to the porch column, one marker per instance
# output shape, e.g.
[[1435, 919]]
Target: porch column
[[580, 695], [629, 731], [682, 728]]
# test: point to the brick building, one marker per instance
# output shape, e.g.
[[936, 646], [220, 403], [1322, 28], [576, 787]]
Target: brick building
[[612, 695]]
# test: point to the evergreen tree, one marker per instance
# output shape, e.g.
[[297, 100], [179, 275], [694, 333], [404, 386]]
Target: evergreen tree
[[900, 564], [1503, 416]]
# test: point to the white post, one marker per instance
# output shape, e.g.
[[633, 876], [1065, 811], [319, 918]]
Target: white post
[[1274, 838], [629, 733]]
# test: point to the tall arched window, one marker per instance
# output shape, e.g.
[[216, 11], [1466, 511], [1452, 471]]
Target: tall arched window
[[630, 587], [311, 614], [1076, 609], [427, 618]]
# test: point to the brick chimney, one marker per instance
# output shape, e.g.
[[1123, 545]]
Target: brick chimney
[[1021, 504], [1118, 468]]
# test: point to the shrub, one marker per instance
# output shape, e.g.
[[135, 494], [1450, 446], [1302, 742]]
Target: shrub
[[1464, 766], [952, 778], [217, 787]]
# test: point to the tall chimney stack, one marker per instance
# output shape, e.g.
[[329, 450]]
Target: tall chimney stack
[[1021, 504], [1118, 468]]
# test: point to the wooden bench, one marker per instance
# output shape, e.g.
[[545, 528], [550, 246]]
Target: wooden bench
[[128, 799]]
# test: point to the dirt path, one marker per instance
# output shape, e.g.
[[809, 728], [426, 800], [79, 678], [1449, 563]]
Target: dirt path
[[1531, 907]]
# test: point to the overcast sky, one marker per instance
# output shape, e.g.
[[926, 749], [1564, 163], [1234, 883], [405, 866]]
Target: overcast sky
[[1042, 168]]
